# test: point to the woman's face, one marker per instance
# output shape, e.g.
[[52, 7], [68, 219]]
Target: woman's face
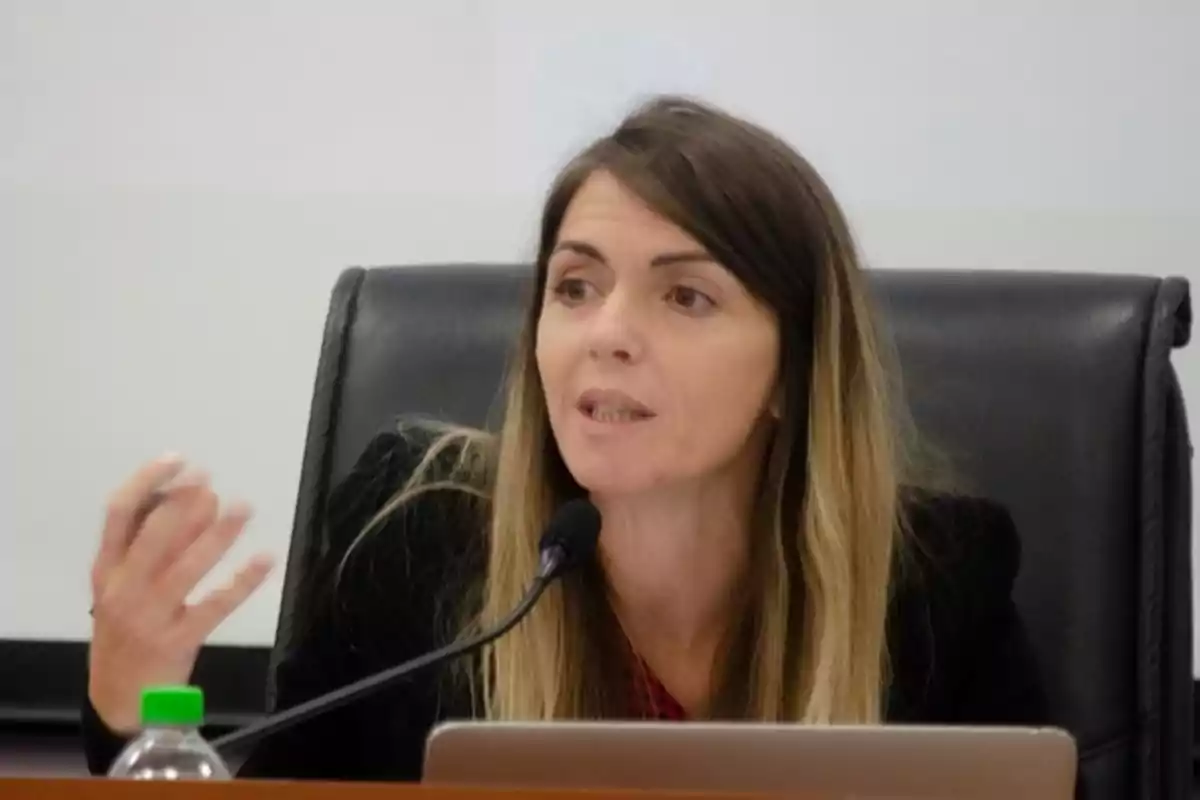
[[657, 365]]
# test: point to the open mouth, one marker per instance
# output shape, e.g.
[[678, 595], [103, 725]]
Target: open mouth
[[613, 408]]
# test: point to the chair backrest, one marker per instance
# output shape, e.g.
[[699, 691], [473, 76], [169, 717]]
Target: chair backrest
[[1052, 393]]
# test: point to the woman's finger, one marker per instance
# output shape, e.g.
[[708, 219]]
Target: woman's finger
[[201, 619], [204, 553], [125, 506], [102, 572], [184, 513]]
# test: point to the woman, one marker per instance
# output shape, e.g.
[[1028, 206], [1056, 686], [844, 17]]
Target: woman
[[700, 360]]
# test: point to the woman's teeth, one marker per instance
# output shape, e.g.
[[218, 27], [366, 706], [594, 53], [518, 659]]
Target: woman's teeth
[[615, 414]]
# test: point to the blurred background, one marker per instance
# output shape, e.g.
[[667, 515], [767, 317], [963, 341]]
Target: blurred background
[[180, 184]]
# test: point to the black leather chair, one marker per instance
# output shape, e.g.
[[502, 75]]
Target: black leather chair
[[1053, 393]]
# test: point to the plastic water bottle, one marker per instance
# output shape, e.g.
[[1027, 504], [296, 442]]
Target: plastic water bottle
[[170, 747]]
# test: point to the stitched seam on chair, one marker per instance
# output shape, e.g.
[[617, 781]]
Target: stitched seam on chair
[[1107, 746], [1177, 724], [330, 376], [314, 474], [335, 398], [1174, 757], [1160, 334], [1129, 732]]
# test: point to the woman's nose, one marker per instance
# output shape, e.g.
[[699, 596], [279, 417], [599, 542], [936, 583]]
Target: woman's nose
[[616, 332]]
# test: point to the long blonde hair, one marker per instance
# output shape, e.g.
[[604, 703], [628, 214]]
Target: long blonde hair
[[812, 646]]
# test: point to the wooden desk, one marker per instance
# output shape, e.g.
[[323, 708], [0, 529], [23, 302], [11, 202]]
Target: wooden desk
[[104, 789]]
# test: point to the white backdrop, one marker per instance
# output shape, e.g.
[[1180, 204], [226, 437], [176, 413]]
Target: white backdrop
[[180, 183]]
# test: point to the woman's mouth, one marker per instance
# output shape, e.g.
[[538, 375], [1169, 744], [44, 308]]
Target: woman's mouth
[[613, 414], [612, 408]]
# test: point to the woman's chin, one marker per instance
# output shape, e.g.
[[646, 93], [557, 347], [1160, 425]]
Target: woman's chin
[[601, 477]]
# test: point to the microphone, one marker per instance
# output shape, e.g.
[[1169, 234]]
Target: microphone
[[568, 542]]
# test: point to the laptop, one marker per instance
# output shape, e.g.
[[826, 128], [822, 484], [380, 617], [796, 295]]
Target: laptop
[[928, 762]]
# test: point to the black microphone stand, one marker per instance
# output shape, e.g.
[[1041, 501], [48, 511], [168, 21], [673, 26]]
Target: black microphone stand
[[339, 697]]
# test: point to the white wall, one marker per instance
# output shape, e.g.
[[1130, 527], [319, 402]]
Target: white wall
[[165, 168]]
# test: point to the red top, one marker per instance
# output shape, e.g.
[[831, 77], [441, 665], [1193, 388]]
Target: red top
[[650, 699]]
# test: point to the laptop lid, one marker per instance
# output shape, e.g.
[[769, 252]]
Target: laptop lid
[[864, 761]]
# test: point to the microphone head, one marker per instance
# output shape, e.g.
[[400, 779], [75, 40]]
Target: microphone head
[[570, 538]]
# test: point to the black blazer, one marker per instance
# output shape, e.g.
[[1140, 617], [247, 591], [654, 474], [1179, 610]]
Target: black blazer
[[958, 649]]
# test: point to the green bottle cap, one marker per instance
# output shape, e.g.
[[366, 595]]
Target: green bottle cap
[[180, 706]]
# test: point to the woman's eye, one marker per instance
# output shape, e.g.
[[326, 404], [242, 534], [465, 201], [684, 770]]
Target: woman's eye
[[689, 299], [571, 290]]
